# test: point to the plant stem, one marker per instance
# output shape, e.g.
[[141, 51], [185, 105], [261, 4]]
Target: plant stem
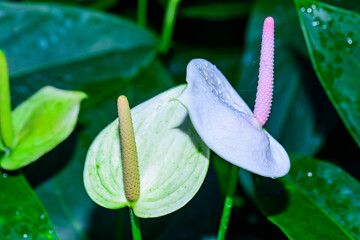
[[141, 13], [234, 171], [135, 225], [6, 129], [168, 25]]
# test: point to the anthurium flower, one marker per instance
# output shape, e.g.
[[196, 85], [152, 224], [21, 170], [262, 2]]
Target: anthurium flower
[[225, 122]]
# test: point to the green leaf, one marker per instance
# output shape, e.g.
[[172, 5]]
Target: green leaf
[[70, 48], [22, 214], [293, 127], [216, 11], [173, 161], [332, 37], [316, 200], [115, 57], [41, 123]]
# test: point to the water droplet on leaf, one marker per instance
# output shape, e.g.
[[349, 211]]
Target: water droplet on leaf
[[43, 43]]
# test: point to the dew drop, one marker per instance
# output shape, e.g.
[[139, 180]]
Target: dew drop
[[42, 216], [309, 174], [349, 40], [25, 235], [324, 26], [69, 23], [313, 6], [43, 43], [302, 9], [5, 175], [315, 23], [309, 10]]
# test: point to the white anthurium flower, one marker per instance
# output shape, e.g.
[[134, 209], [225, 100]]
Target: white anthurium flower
[[227, 125]]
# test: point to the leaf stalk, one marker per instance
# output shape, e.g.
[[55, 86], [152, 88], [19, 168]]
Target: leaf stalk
[[228, 203], [168, 25]]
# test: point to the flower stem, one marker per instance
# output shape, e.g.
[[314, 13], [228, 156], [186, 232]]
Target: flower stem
[[168, 25], [135, 225], [6, 129], [234, 171], [141, 13]]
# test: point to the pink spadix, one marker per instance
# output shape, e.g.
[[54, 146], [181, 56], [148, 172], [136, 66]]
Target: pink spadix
[[266, 73]]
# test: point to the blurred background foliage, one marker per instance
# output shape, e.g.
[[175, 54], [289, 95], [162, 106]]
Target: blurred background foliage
[[96, 47]]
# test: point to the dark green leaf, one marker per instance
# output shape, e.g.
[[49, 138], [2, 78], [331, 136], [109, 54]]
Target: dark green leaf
[[74, 48], [40, 124], [333, 40], [70, 48], [22, 216], [316, 200], [216, 11]]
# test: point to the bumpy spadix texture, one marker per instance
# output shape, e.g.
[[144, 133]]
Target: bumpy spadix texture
[[128, 151], [266, 73], [227, 125]]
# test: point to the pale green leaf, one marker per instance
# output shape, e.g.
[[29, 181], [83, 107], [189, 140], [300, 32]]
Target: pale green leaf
[[41, 123], [173, 160]]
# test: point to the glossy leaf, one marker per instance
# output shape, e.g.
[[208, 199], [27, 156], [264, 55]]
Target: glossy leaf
[[52, 45], [22, 216], [333, 40], [316, 200], [41, 123], [173, 160]]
